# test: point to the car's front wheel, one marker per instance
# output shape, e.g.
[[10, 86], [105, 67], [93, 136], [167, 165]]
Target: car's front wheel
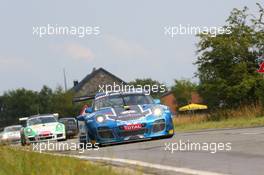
[[63, 139]]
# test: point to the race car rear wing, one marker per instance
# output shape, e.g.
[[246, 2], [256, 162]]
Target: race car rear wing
[[56, 115], [82, 98], [23, 119]]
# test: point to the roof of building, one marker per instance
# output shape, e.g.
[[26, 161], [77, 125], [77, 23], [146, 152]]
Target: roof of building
[[166, 93], [91, 75]]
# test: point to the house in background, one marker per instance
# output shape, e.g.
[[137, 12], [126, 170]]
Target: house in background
[[101, 77], [169, 99], [93, 81]]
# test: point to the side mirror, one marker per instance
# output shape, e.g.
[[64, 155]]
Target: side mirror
[[157, 101], [89, 110]]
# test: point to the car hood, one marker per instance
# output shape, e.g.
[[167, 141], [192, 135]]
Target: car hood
[[125, 113], [44, 127]]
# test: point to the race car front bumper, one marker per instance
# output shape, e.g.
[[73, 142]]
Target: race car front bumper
[[11, 140], [157, 128], [46, 137]]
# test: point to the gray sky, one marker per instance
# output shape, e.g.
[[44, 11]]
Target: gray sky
[[131, 43]]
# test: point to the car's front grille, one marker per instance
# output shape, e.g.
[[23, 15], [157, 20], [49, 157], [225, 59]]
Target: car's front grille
[[127, 117], [158, 125], [105, 132], [45, 138], [31, 139], [124, 133], [45, 135]]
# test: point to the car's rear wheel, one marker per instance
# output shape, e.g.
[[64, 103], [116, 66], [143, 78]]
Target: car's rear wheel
[[61, 140]]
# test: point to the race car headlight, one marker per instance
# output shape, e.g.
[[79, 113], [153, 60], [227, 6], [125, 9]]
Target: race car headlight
[[59, 127], [4, 136], [28, 131], [158, 111], [100, 118]]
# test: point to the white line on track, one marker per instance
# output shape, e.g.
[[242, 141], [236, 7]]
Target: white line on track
[[149, 165], [251, 133]]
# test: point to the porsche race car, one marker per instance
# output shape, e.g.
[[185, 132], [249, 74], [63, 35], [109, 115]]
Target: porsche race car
[[11, 134], [119, 117], [41, 128]]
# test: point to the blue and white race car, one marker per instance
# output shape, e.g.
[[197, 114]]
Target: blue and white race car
[[117, 117]]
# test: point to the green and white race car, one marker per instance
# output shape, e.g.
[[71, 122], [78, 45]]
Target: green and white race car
[[41, 128]]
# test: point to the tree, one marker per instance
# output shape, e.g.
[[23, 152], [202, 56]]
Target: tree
[[62, 103], [18, 103], [182, 90], [227, 63], [45, 99], [24, 103]]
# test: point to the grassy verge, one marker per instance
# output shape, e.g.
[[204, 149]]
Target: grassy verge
[[241, 117], [16, 161], [200, 123]]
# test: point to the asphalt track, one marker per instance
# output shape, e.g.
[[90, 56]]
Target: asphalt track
[[246, 156]]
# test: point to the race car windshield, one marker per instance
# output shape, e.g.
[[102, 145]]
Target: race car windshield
[[68, 121], [12, 129], [121, 100], [41, 120]]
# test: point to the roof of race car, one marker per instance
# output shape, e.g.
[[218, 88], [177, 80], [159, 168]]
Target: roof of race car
[[104, 94]]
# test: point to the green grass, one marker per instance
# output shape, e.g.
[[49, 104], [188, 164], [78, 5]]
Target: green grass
[[228, 123], [17, 161]]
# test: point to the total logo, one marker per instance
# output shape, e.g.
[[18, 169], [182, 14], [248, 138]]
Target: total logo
[[133, 127]]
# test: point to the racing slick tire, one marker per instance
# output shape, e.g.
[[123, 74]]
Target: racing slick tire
[[61, 140]]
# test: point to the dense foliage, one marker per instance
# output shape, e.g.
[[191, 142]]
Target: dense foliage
[[23, 103], [182, 90], [228, 63]]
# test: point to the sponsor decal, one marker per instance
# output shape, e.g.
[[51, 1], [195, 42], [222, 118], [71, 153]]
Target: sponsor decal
[[128, 112], [132, 127], [45, 133]]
